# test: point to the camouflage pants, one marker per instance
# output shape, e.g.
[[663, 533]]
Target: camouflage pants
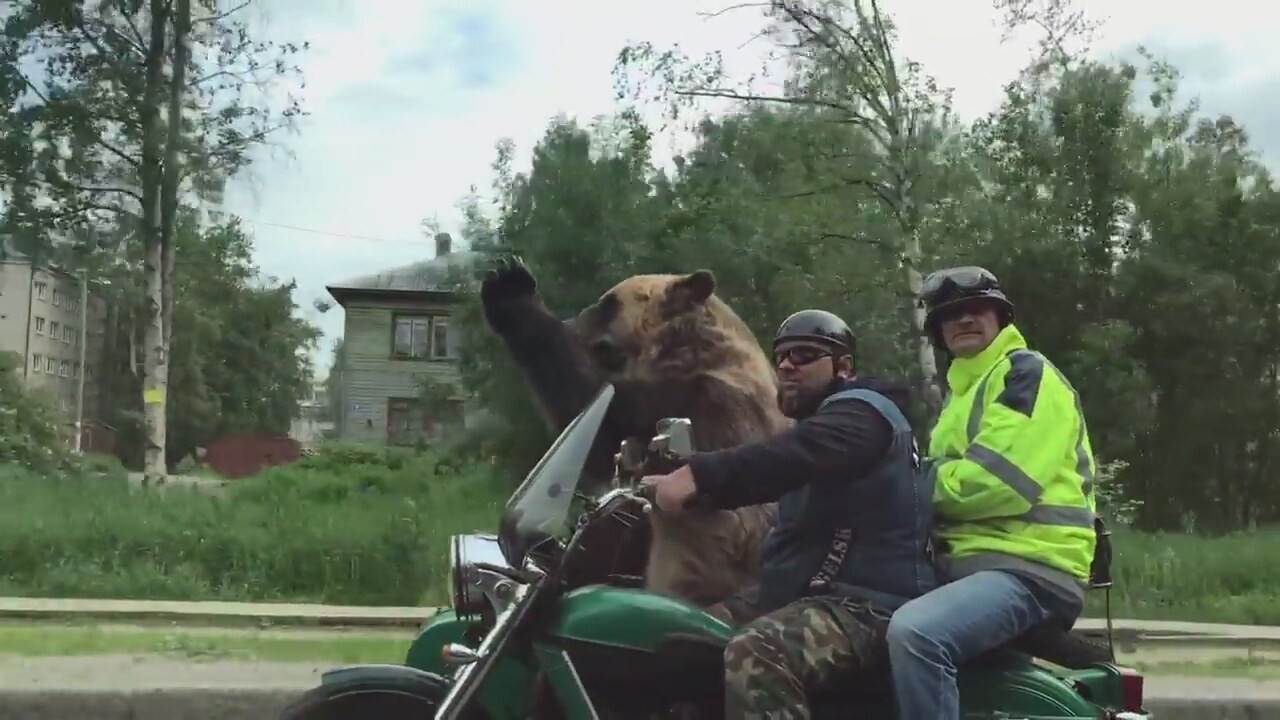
[[774, 662]]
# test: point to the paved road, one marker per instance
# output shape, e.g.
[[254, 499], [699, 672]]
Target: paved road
[[117, 687], [142, 673], [142, 688]]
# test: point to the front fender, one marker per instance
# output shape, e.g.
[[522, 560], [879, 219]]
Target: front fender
[[508, 691], [375, 673], [440, 629]]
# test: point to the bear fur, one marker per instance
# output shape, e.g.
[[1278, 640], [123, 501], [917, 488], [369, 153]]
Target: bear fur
[[671, 348]]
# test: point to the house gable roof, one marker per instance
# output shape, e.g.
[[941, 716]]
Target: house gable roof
[[425, 277]]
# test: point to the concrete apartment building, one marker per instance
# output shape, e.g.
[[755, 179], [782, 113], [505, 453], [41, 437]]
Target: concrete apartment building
[[41, 318]]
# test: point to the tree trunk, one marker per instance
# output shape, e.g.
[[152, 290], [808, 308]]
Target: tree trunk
[[912, 256], [172, 174], [155, 373]]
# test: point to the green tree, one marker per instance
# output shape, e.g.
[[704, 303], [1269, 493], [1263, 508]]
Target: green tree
[[842, 64], [137, 104]]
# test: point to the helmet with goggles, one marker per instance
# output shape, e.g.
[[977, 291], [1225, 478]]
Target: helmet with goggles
[[946, 291]]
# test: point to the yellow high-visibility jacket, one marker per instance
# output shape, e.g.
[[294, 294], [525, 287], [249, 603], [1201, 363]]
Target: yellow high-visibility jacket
[[1013, 466]]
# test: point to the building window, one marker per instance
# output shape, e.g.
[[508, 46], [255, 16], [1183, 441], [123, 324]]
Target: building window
[[439, 338], [68, 334], [406, 421], [412, 337], [421, 337], [88, 371], [57, 298], [41, 290], [75, 370], [35, 362], [39, 326], [63, 367], [55, 329], [50, 365]]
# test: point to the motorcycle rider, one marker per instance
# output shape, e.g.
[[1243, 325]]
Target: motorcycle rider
[[1013, 497], [851, 539]]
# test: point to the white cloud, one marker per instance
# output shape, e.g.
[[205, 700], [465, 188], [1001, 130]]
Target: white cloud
[[407, 99]]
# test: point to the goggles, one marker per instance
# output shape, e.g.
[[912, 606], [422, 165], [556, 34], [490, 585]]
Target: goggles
[[956, 281]]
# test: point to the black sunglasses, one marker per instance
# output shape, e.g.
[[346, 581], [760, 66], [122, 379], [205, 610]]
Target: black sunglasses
[[965, 279], [800, 356]]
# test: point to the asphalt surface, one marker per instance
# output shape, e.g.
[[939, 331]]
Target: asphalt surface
[[116, 687]]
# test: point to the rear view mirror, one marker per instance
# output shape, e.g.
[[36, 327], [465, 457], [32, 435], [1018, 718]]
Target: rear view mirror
[[675, 437]]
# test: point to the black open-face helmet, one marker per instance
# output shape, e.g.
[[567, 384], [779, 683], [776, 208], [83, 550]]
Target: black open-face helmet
[[819, 327], [945, 290]]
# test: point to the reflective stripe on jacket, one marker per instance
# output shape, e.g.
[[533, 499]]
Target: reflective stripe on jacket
[[1014, 467]]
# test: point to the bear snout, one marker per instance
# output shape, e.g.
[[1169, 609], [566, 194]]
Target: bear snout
[[606, 352]]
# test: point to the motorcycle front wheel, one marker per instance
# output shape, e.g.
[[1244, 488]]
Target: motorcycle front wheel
[[365, 699]]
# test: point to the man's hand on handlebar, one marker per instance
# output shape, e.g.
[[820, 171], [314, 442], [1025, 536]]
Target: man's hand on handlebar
[[673, 493]]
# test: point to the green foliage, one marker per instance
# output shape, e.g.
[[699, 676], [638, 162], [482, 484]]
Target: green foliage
[[29, 434], [239, 359], [242, 362], [1137, 239], [1179, 576], [86, 147], [368, 525], [349, 526]]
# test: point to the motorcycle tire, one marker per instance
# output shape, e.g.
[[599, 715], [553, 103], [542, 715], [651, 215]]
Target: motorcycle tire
[[1072, 650], [382, 698]]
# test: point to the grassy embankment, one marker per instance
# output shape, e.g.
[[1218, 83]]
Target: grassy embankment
[[370, 527]]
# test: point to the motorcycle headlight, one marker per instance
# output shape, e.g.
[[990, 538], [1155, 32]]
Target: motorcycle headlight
[[464, 552]]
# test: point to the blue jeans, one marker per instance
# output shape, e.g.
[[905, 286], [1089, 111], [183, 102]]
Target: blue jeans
[[934, 633]]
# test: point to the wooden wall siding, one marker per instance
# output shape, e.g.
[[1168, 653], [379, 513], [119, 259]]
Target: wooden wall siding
[[371, 375]]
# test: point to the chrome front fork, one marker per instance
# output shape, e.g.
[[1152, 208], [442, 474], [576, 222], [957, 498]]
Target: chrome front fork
[[476, 662]]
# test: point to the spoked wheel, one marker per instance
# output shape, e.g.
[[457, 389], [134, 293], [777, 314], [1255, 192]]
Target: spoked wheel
[[389, 698]]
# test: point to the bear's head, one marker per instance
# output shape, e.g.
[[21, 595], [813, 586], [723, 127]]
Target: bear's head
[[658, 328]]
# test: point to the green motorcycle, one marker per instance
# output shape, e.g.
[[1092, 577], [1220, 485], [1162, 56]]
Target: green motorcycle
[[535, 631]]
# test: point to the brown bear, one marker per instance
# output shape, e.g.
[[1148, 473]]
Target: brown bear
[[671, 348]]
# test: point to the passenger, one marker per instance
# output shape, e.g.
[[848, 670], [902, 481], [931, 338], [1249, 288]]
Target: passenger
[[1014, 497]]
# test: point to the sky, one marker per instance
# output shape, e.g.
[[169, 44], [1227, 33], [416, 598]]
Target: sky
[[407, 100]]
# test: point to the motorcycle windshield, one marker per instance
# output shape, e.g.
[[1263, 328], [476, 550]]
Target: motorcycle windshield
[[541, 509]]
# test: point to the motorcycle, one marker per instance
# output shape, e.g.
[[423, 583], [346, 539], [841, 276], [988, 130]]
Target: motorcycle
[[535, 631]]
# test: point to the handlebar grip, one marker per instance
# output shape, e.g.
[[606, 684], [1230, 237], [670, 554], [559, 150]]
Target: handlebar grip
[[647, 492]]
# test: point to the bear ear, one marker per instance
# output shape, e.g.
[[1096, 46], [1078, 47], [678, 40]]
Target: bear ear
[[695, 287]]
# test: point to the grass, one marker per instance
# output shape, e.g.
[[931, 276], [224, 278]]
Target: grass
[[364, 526], [350, 526], [43, 640], [1174, 576]]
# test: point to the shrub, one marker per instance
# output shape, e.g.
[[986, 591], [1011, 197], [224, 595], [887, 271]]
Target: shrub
[[28, 425]]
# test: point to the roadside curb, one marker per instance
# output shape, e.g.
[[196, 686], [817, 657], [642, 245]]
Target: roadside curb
[[305, 614], [215, 612]]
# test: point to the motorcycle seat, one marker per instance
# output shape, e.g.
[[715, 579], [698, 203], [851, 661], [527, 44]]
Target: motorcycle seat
[[701, 659]]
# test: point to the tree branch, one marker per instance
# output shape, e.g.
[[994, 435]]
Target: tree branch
[[731, 8], [223, 16], [734, 95], [97, 136], [855, 238]]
